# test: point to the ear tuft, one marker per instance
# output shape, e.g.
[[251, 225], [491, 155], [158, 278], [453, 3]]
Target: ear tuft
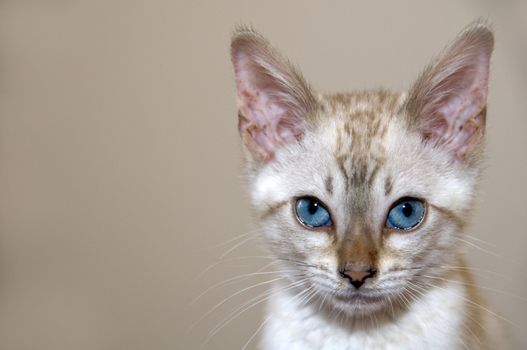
[[448, 101], [274, 100]]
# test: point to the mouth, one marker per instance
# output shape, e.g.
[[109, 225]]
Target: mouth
[[359, 297], [359, 304]]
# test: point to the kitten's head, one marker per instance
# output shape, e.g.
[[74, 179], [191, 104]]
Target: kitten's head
[[363, 194]]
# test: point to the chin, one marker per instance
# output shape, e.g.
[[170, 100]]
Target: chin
[[360, 303]]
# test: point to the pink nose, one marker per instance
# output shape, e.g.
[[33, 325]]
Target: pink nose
[[357, 278]]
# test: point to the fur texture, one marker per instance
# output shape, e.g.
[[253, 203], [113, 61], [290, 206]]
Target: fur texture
[[359, 153]]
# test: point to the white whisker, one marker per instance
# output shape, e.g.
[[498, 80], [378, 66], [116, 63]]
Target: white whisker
[[476, 286], [249, 305], [256, 332], [231, 240], [473, 303], [474, 245], [237, 245], [229, 298], [235, 279], [480, 240]]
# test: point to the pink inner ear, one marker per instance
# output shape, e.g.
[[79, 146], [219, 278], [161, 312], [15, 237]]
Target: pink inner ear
[[449, 99], [264, 120], [464, 118], [459, 118], [269, 113], [464, 114]]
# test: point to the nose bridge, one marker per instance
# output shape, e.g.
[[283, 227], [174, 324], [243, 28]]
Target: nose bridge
[[358, 250]]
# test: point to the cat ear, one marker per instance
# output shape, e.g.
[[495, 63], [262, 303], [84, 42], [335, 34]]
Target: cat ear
[[448, 101], [274, 100]]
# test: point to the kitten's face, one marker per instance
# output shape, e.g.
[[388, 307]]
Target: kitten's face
[[359, 161], [363, 196]]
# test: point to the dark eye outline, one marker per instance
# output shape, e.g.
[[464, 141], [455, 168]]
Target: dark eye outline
[[410, 229], [328, 226]]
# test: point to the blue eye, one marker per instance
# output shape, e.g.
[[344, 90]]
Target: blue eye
[[406, 214], [312, 213]]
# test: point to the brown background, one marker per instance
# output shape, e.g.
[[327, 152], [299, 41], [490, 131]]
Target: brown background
[[120, 162]]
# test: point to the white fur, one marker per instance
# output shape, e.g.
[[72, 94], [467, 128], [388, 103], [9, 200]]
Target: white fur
[[433, 322]]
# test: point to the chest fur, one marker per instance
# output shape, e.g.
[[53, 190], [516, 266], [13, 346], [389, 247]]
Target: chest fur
[[434, 322]]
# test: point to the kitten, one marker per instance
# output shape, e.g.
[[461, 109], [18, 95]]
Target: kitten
[[362, 198]]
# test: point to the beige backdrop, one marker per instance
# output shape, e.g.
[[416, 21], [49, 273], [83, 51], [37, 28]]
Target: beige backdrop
[[120, 162]]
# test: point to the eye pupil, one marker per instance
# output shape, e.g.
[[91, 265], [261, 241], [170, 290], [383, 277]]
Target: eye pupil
[[312, 208], [407, 209]]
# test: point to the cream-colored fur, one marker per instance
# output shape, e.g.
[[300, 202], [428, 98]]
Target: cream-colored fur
[[359, 153]]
